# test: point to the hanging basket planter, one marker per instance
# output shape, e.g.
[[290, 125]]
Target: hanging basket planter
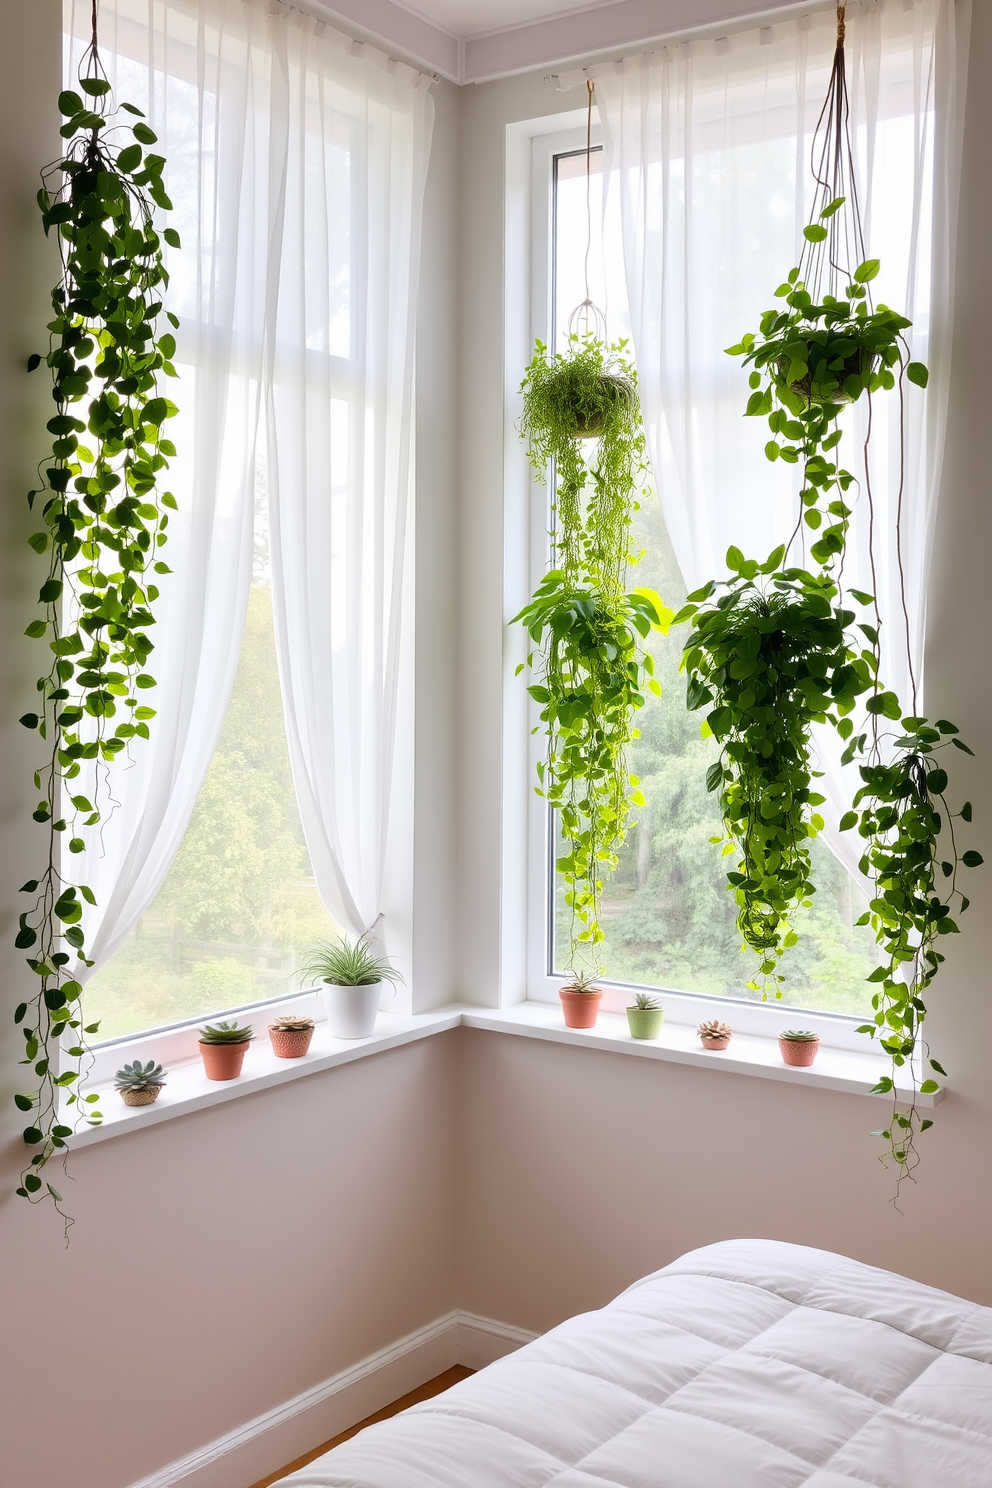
[[596, 408]]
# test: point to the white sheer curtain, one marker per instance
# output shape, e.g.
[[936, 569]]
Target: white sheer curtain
[[707, 147], [339, 317], [295, 161]]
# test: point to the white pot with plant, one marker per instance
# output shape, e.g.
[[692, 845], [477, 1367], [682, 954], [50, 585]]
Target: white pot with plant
[[351, 978]]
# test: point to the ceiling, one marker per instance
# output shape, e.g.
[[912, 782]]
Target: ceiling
[[473, 41]]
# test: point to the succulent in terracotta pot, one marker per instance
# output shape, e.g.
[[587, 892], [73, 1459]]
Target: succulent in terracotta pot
[[223, 1047], [580, 1000], [798, 1046], [140, 1084], [290, 1035], [644, 1016], [715, 1034]]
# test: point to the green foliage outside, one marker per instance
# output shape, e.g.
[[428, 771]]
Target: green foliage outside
[[239, 905]]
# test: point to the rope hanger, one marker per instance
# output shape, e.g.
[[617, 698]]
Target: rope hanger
[[587, 318]]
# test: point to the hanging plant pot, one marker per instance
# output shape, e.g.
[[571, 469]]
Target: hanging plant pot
[[836, 374], [594, 408]]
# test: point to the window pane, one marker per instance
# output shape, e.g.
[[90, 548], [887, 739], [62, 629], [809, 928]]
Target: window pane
[[239, 906], [669, 918]]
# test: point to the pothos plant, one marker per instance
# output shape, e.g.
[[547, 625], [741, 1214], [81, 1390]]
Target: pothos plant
[[814, 354], [769, 656], [586, 626], [103, 523]]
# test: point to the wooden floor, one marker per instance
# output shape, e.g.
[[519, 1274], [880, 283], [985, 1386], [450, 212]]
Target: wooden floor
[[433, 1387]]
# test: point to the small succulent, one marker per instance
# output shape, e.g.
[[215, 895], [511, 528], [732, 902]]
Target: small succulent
[[647, 1002], [713, 1028], [292, 1023], [799, 1036], [344, 965], [225, 1033], [138, 1076], [582, 981]]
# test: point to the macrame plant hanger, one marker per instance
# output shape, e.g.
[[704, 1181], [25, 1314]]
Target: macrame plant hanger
[[587, 319]]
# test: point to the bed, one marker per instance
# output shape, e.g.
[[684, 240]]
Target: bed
[[748, 1364]]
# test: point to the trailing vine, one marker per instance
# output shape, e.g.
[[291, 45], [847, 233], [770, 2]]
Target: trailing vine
[[593, 669], [828, 346], [769, 658], [103, 522]]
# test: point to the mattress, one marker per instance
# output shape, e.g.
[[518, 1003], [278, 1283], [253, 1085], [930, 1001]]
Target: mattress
[[748, 1364]]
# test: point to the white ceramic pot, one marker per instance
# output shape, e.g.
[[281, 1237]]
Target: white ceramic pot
[[351, 1010]]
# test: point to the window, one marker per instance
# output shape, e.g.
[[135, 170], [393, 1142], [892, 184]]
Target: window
[[281, 631], [669, 919]]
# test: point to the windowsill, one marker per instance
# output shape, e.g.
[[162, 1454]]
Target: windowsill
[[187, 1088], [843, 1070]]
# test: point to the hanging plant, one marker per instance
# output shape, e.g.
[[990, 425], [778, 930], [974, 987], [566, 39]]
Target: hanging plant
[[826, 347], [593, 670], [769, 658], [103, 521]]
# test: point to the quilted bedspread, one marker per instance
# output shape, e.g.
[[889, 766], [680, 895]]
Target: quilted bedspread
[[748, 1364]]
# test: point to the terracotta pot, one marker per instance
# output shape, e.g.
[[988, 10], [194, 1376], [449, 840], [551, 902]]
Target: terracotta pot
[[800, 1052], [715, 1043], [290, 1043], [581, 1009], [141, 1097], [645, 1023], [223, 1061]]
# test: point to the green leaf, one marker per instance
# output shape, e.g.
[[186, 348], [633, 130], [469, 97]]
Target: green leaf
[[866, 271], [70, 103], [917, 372], [972, 859], [95, 87], [814, 233], [144, 134]]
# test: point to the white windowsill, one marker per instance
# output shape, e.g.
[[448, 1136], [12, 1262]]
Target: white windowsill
[[187, 1088], [843, 1070]]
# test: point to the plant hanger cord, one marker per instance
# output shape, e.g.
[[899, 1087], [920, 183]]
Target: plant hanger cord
[[587, 317]]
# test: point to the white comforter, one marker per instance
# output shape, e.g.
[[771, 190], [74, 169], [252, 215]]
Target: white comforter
[[748, 1364]]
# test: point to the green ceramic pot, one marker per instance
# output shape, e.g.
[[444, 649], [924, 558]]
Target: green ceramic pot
[[645, 1023]]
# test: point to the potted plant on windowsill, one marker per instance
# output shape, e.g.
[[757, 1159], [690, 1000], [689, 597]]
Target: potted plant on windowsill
[[644, 1016], [290, 1036], [140, 1084], [351, 978], [714, 1034], [580, 1000], [799, 1046], [223, 1047]]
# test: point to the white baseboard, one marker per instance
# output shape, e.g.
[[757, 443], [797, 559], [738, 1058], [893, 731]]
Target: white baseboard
[[263, 1445]]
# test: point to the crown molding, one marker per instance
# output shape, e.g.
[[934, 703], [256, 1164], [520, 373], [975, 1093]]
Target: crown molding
[[546, 42]]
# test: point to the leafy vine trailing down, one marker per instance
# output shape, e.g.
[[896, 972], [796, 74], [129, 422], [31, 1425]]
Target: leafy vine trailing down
[[809, 359], [103, 523], [770, 658], [593, 671]]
